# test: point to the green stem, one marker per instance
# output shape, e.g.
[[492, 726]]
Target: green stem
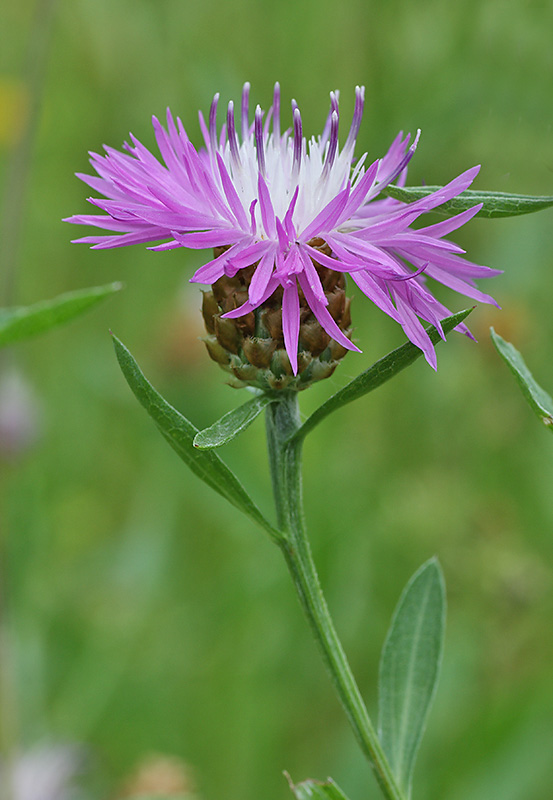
[[285, 460]]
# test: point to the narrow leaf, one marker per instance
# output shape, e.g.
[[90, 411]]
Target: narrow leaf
[[495, 204], [316, 790], [540, 402], [380, 372], [409, 669], [233, 423], [22, 322], [180, 434]]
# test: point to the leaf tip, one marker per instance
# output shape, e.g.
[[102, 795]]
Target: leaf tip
[[432, 564]]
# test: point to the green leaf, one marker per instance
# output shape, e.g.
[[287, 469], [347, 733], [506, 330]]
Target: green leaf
[[233, 423], [409, 669], [495, 204], [22, 322], [180, 434], [316, 790], [380, 372], [540, 402]]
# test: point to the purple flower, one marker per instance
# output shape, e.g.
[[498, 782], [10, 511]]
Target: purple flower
[[274, 199]]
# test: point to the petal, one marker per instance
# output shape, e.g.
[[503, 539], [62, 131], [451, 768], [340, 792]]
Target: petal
[[325, 220], [323, 316], [248, 306], [214, 238], [413, 328], [213, 270], [232, 195], [261, 278], [266, 207], [378, 293], [312, 276], [291, 323]]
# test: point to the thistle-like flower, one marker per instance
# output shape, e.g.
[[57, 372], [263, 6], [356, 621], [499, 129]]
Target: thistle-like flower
[[287, 218]]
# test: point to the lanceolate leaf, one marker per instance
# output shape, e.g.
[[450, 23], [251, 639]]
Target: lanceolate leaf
[[22, 322], [495, 204], [409, 669], [317, 790], [180, 434], [539, 400], [232, 423], [380, 372]]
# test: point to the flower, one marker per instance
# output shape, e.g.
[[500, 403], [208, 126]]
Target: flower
[[44, 773], [287, 206]]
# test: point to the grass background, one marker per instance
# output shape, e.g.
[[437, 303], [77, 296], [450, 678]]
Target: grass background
[[145, 614]]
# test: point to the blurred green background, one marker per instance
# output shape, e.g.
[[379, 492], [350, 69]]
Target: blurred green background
[[146, 615]]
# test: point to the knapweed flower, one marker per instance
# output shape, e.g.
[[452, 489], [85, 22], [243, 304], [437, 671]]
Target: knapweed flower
[[288, 218]]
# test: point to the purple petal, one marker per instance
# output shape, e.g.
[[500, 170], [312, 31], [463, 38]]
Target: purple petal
[[357, 117], [261, 277], [325, 219], [291, 323], [451, 224], [232, 195], [252, 253], [246, 307], [276, 111], [312, 277], [323, 316], [372, 288], [258, 123], [198, 241], [215, 269], [266, 207], [358, 193], [414, 330]]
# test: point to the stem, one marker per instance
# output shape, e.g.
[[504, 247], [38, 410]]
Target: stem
[[285, 461]]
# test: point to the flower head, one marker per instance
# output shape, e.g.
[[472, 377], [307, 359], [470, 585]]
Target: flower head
[[285, 210]]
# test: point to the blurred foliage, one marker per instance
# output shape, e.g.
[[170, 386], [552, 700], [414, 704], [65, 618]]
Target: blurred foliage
[[144, 613]]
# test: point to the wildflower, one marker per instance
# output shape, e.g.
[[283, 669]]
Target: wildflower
[[44, 773], [283, 214]]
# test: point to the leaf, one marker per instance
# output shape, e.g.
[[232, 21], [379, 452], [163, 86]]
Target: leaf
[[233, 423], [409, 669], [380, 372], [22, 322], [538, 399], [180, 434], [495, 204], [316, 790]]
